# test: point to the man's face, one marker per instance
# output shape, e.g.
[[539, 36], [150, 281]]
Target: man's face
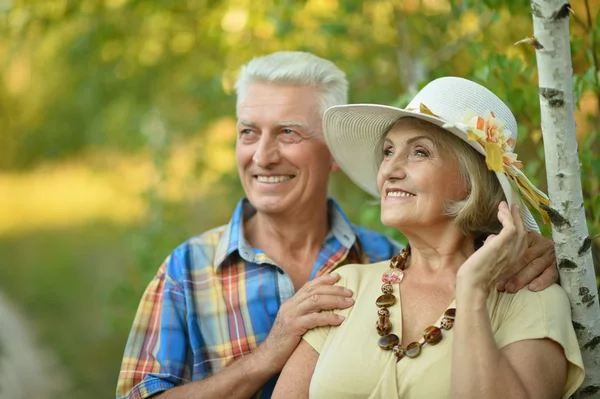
[[282, 157]]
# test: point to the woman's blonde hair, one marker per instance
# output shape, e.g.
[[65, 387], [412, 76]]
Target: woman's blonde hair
[[477, 213]]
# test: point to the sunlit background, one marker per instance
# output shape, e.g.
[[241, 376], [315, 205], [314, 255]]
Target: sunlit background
[[117, 137]]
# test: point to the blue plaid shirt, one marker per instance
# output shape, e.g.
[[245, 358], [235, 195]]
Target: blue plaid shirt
[[215, 298]]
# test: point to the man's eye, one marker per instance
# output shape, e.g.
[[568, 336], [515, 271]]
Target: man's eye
[[288, 131], [246, 131]]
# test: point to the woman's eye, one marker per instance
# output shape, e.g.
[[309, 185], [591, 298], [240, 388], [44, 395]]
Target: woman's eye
[[420, 152], [387, 152]]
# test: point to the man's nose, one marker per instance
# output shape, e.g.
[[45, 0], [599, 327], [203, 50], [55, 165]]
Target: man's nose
[[267, 152]]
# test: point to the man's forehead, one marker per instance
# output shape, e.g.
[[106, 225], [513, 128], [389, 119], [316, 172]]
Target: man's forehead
[[260, 94], [290, 123]]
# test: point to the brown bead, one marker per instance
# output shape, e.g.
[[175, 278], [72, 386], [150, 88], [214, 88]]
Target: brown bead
[[394, 262], [450, 313], [413, 349], [432, 335], [386, 300], [446, 323], [388, 341], [383, 312], [383, 325], [398, 351], [387, 288]]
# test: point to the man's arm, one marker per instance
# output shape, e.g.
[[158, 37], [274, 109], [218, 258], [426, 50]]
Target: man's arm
[[242, 379], [297, 315], [155, 355], [538, 266]]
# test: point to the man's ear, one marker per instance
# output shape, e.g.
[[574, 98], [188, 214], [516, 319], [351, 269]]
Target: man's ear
[[334, 167]]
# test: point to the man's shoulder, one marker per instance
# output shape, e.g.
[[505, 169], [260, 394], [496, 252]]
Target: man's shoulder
[[376, 246], [199, 251]]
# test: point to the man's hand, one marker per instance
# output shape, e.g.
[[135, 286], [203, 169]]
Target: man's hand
[[301, 313], [537, 268]]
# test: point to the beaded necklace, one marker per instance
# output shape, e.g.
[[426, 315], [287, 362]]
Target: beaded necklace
[[432, 335]]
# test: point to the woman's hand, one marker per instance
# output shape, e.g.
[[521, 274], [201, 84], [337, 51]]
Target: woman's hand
[[497, 259]]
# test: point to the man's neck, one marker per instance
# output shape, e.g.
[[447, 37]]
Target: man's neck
[[292, 240]]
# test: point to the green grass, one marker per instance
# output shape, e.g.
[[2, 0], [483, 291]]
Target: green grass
[[80, 286]]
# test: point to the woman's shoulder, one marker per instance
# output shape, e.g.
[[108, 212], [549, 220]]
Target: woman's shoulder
[[544, 306], [553, 296], [354, 275]]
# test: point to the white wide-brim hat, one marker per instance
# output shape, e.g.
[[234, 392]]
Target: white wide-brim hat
[[462, 107]]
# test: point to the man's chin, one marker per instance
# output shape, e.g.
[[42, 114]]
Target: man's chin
[[270, 205]]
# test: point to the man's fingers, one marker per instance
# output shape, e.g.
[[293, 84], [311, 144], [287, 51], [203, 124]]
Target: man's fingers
[[545, 280], [319, 301], [313, 320], [311, 291], [527, 274], [326, 279], [317, 285]]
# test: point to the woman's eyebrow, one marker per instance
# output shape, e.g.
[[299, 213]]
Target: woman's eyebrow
[[417, 138], [411, 140]]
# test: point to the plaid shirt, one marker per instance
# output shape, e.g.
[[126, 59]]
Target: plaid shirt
[[215, 298]]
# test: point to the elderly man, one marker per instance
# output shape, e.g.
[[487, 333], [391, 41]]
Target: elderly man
[[228, 307]]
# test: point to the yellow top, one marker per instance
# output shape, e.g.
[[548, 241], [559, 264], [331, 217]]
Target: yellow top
[[351, 365]]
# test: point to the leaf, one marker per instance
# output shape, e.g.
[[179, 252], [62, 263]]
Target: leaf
[[424, 110], [493, 157]]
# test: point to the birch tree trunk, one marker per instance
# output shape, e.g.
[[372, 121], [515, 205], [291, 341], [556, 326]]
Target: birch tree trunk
[[569, 228]]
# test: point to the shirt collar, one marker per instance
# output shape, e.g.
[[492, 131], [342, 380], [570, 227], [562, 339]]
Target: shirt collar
[[233, 239]]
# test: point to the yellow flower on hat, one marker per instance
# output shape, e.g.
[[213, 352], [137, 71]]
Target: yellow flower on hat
[[495, 139]]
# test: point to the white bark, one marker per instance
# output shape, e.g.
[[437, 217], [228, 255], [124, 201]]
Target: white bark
[[569, 228]]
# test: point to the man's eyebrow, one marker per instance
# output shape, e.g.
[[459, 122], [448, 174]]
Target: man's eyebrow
[[247, 123], [291, 124]]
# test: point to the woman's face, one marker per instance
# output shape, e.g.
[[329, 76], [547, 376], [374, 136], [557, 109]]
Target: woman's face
[[416, 178]]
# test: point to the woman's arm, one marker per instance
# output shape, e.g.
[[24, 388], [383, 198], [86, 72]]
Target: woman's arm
[[295, 377], [524, 369]]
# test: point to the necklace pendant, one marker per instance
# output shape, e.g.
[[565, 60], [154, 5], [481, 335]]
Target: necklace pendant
[[393, 276]]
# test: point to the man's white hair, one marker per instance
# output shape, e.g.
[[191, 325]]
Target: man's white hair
[[296, 68]]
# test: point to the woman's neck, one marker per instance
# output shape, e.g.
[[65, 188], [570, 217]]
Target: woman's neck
[[440, 251]]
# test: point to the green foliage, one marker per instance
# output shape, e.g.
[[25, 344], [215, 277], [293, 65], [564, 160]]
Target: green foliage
[[138, 76]]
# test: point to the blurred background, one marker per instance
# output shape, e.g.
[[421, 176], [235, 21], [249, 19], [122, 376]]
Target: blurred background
[[117, 135]]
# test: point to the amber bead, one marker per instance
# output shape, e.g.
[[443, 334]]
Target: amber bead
[[398, 351], [387, 288], [383, 325], [394, 261], [413, 349], [383, 312], [450, 313], [386, 300], [446, 323], [388, 341], [432, 335]]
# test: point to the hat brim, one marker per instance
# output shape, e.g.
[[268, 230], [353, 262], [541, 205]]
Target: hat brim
[[354, 135]]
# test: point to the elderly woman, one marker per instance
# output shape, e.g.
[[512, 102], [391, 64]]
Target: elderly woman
[[427, 323]]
